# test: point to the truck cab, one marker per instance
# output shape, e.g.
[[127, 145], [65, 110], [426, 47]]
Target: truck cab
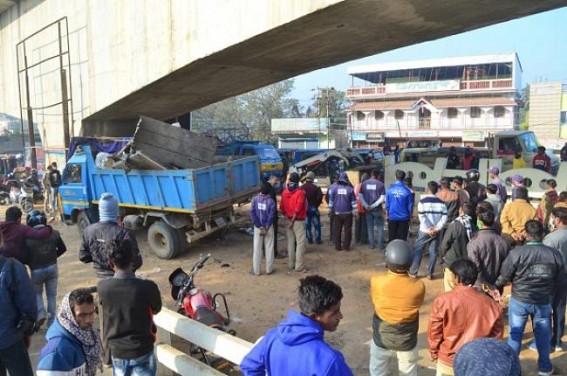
[[504, 145], [270, 161]]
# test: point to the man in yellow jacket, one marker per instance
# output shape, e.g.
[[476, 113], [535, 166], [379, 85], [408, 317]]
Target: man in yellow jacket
[[515, 215], [397, 298]]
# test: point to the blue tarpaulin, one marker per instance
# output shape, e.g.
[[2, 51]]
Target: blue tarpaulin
[[107, 145]]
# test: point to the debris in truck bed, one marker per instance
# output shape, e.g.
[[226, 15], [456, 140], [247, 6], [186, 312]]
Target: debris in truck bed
[[170, 147]]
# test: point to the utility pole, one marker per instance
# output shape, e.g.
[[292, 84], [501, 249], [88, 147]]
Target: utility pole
[[328, 121]]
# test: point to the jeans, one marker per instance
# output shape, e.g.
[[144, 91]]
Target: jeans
[[46, 276], [145, 365], [558, 317], [375, 217], [424, 240], [381, 358], [54, 197], [16, 360], [313, 218], [518, 314], [360, 230]]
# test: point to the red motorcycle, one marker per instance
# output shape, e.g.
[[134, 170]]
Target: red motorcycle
[[197, 303]]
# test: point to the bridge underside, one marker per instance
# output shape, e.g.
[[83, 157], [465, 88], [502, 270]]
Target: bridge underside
[[347, 30]]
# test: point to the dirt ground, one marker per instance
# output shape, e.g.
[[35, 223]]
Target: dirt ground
[[258, 303]]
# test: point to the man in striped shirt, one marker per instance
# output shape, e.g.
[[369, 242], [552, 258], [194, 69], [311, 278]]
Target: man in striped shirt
[[432, 214]]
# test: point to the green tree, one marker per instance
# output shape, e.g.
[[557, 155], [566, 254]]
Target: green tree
[[248, 114], [524, 113], [332, 102]]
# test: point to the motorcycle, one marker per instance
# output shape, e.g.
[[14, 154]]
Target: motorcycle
[[198, 304], [21, 193]]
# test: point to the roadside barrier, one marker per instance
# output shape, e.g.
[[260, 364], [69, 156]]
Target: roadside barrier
[[173, 361]]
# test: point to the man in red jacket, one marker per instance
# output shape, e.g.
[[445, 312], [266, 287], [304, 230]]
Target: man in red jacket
[[293, 206], [15, 233], [541, 161]]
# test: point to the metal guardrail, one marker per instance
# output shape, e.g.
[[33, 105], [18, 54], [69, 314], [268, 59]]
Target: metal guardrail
[[222, 344]]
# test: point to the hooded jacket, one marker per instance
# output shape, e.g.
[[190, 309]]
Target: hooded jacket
[[295, 347], [62, 355]]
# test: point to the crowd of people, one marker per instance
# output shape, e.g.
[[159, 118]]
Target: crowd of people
[[126, 305], [483, 241]]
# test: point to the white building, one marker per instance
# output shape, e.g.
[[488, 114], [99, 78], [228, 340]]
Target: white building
[[455, 100]]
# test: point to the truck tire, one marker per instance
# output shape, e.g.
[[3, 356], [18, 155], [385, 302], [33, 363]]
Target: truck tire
[[164, 240], [83, 221]]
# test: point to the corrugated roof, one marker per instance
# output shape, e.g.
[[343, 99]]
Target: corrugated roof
[[473, 101], [383, 105], [437, 103]]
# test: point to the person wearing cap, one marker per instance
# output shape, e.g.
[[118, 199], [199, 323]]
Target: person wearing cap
[[487, 357], [314, 197], [461, 315], [97, 235], [372, 195], [262, 210], [493, 173], [397, 299], [541, 161], [516, 181], [548, 200], [342, 202], [96, 248], [293, 206]]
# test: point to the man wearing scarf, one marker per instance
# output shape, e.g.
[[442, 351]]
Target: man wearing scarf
[[293, 206], [73, 346], [454, 243]]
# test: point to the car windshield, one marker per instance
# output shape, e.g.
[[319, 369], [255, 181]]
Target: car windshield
[[529, 141], [268, 153]]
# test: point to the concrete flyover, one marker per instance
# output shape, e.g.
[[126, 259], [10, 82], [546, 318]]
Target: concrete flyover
[[163, 58]]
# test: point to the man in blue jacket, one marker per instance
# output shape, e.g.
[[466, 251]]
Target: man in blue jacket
[[73, 346], [399, 205], [297, 346], [17, 300]]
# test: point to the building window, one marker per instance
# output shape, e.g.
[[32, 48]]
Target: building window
[[475, 112], [452, 113], [378, 115], [398, 114], [499, 111], [359, 115]]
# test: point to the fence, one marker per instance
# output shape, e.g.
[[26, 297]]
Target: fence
[[173, 361]]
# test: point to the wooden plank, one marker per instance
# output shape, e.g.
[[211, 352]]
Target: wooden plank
[[174, 147]]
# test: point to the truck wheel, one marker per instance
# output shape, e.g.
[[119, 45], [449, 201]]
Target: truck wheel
[[164, 240], [83, 221]]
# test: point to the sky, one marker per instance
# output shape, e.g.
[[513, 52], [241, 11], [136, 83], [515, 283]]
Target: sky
[[539, 40]]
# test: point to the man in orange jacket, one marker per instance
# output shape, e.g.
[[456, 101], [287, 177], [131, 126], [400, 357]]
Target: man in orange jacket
[[293, 206]]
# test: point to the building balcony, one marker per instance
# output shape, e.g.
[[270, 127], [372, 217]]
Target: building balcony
[[428, 89]]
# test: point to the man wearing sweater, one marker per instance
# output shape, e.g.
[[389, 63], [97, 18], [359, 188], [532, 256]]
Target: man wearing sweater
[[515, 215], [432, 214], [399, 205], [129, 304], [15, 233], [342, 202]]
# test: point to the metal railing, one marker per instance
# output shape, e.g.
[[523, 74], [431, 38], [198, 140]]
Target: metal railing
[[222, 344]]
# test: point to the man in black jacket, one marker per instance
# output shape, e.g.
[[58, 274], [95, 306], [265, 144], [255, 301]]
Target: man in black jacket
[[534, 270], [454, 243], [128, 305], [97, 236]]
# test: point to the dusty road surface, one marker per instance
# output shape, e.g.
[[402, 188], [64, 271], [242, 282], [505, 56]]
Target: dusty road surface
[[258, 303]]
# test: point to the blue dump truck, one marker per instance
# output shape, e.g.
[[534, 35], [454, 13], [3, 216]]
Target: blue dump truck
[[177, 206], [270, 161]]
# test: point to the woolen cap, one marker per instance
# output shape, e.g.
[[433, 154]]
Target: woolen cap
[[108, 208]]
